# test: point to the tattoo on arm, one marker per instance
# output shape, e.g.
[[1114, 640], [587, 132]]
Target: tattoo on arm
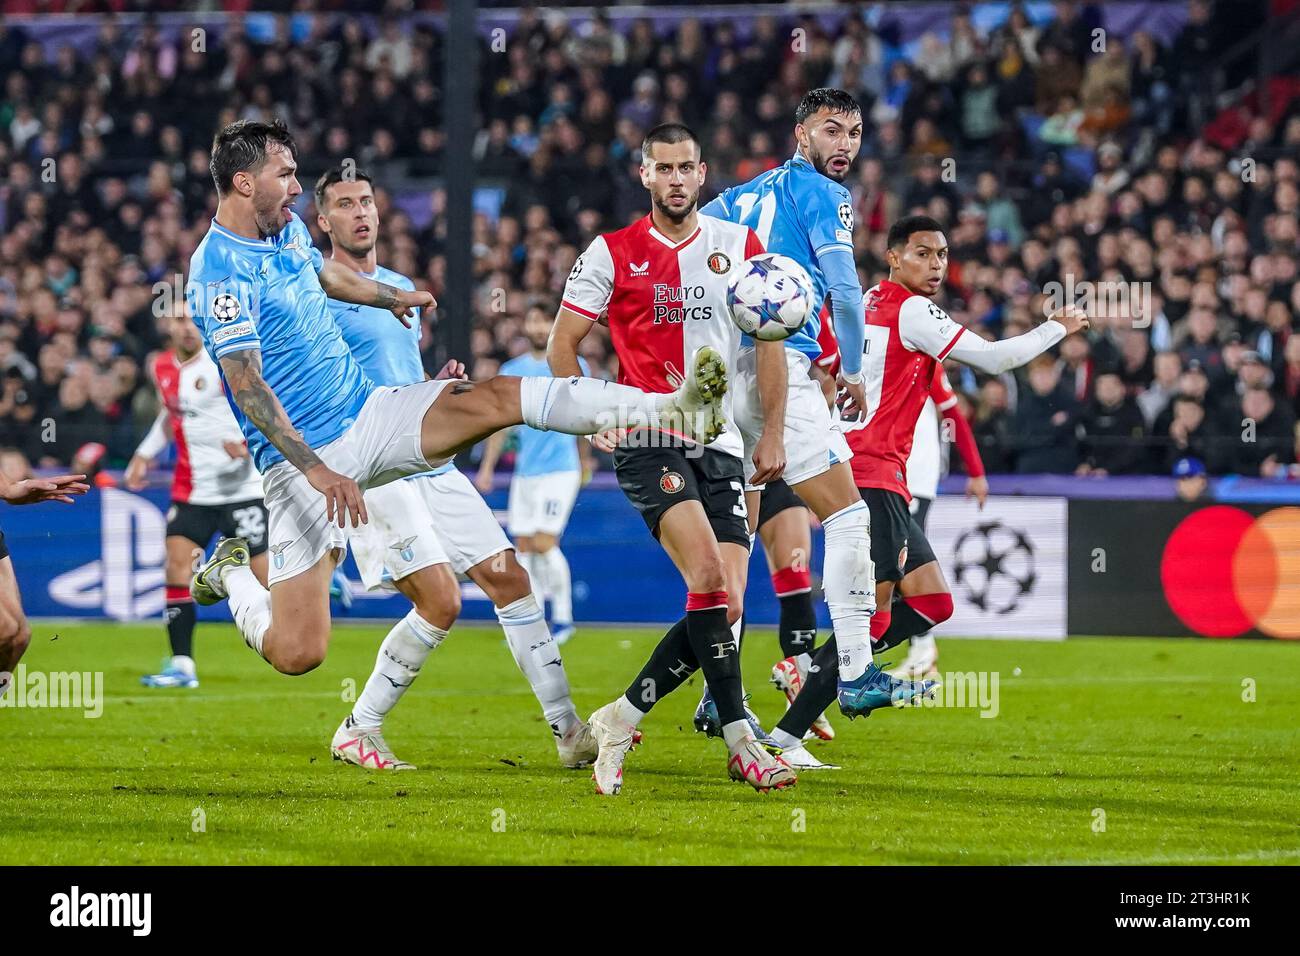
[[243, 371], [385, 296]]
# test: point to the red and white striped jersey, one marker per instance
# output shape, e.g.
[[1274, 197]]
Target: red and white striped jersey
[[907, 336], [664, 300], [201, 422]]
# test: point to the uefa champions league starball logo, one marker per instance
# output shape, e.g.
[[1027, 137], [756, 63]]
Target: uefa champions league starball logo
[[993, 567]]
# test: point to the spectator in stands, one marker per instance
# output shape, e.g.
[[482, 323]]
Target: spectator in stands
[[1265, 444], [1189, 433], [1112, 431], [128, 118], [1045, 423], [994, 427], [1192, 482], [1155, 398]]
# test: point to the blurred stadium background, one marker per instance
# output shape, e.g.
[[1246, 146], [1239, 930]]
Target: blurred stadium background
[[1149, 147]]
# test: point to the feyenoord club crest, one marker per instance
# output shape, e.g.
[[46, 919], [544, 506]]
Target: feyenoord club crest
[[199, 384], [719, 264], [902, 557], [671, 482]]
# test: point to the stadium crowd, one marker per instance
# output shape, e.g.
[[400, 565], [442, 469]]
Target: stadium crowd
[[1053, 164]]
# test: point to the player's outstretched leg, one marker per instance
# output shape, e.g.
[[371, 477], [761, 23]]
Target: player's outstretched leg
[[300, 605], [464, 413]]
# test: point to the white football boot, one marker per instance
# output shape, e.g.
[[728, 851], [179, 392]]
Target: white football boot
[[789, 680], [695, 409], [751, 762], [614, 738], [800, 758], [365, 747], [577, 748], [922, 659]]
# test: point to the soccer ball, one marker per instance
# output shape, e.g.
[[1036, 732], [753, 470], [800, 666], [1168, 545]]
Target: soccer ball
[[770, 297]]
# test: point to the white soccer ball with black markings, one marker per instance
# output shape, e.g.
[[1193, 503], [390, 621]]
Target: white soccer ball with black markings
[[770, 297]]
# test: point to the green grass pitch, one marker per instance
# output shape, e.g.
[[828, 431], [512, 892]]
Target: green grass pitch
[[1103, 751]]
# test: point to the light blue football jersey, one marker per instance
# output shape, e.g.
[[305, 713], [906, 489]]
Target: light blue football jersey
[[541, 453], [264, 294], [796, 212], [388, 352]]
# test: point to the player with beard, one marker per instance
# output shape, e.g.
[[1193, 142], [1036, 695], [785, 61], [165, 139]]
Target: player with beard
[[426, 529], [319, 430], [549, 469], [907, 336], [802, 210], [662, 283], [215, 488]]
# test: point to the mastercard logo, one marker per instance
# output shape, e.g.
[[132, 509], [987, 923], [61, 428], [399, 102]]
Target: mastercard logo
[[1225, 571]]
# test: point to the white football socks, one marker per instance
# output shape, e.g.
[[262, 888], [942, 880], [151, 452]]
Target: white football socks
[[536, 653], [849, 581], [628, 712], [250, 604], [401, 655], [736, 731], [558, 584], [584, 406], [784, 739]]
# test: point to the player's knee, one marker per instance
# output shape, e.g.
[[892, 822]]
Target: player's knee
[[299, 660], [509, 584], [706, 575], [15, 636], [936, 607], [735, 606], [436, 595]]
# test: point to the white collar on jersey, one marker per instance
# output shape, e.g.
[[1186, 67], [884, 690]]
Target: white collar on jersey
[[235, 237], [669, 243]]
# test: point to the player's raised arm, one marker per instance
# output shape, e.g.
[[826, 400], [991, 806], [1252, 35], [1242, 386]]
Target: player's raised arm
[[346, 285], [250, 391], [924, 327]]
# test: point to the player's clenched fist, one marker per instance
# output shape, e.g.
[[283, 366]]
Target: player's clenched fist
[[1072, 317], [343, 498]]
